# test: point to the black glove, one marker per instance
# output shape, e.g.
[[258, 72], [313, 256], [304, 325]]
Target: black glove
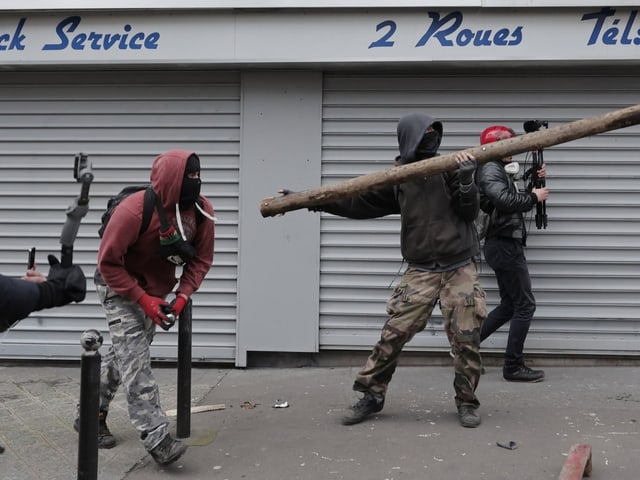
[[63, 285], [466, 169]]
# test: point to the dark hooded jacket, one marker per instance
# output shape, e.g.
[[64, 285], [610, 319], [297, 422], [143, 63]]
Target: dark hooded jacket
[[129, 263], [18, 298], [436, 216]]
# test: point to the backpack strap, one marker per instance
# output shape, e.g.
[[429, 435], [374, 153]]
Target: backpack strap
[[147, 209], [164, 225], [152, 200]]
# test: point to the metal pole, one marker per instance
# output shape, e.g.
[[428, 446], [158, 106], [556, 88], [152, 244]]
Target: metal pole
[[183, 420], [91, 341]]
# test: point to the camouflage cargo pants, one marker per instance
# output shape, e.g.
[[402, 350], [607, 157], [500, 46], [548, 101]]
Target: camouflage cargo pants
[[463, 306], [128, 363]]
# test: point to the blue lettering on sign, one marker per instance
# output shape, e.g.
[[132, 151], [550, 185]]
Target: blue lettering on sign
[[448, 32], [384, 40], [13, 41], [612, 33], [100, 41]]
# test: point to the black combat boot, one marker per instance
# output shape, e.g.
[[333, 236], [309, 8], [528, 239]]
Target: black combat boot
[[105, 438], [522, 373], [367, 405], [468, 416], [168, 450]]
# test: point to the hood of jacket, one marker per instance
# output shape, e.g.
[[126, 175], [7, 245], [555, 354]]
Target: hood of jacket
[[411, 129], [167, 172]]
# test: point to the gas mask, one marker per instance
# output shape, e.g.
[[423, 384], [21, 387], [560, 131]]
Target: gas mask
[[512, 168], [174, 248]]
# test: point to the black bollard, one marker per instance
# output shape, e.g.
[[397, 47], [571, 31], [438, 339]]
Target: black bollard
[[91, 341], [183, 420]]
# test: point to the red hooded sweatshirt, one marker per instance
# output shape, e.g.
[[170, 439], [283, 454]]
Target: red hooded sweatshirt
[[130, 264]]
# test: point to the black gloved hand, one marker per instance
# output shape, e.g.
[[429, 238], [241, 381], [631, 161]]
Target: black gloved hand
[[466, 169], [63, 285]]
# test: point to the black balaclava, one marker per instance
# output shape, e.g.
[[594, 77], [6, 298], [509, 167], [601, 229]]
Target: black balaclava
[[428, 146], [190, 191], [414, 142]]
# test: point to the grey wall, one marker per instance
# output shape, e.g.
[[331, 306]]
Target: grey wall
[[279, 263]]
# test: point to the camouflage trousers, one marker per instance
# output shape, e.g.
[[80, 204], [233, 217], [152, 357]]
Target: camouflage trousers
[[128, 363], [463, 306]]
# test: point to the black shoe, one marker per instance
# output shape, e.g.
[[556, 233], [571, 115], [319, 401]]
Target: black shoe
[[468, 416], [363, 408], [522, 373], [168, 450], [105, 438]]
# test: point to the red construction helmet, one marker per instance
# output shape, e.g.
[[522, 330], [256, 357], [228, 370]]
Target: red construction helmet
[[495, 133]]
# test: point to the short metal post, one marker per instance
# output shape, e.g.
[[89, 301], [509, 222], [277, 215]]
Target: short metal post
[[183, 420], [91, 341]]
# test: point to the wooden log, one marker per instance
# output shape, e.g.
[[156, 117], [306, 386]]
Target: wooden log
[[625, 117]]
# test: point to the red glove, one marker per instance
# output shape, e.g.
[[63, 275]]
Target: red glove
[[153, 308], [178, 303]]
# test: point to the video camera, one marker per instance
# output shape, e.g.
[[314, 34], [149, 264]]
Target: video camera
[[534, 125], [537, 182]]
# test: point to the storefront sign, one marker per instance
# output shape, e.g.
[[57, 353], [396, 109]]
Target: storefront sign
[[405, 35]]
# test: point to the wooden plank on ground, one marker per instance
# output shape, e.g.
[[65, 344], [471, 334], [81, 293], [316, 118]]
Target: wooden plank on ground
[[198, 409], [578, 463]]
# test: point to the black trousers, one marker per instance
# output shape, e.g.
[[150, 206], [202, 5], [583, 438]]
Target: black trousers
[[517, 303]]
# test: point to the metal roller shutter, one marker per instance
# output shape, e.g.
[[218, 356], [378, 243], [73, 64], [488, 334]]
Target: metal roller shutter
[[122, 120], [584, 266]]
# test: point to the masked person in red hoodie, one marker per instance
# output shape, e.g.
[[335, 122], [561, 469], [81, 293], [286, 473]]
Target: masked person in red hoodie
[[136, 272]]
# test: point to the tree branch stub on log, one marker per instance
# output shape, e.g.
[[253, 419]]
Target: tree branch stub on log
[[585, 127]]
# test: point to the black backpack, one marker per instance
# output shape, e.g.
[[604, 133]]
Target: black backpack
[[147, 210]]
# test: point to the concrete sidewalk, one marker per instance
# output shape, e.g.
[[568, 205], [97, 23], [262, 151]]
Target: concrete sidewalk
[[416, 436]]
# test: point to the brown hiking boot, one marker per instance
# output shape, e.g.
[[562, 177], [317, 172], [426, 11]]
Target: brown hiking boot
[[364, 407], [168, 450], [105, 438]]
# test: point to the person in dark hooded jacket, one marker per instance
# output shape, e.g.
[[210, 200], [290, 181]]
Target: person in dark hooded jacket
[[136, 271], [19, 297], [438, 242]]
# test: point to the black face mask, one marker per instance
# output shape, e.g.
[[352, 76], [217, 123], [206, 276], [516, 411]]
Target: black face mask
[[190, 192], [428, 146]]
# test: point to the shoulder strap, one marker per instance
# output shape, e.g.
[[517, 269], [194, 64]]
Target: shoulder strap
[[164, 225], [147, 209]]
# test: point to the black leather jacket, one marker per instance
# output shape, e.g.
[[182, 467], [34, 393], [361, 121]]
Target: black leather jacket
[[506, 205]]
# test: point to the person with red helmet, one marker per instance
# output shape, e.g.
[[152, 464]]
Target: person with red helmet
[[504, 252]]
